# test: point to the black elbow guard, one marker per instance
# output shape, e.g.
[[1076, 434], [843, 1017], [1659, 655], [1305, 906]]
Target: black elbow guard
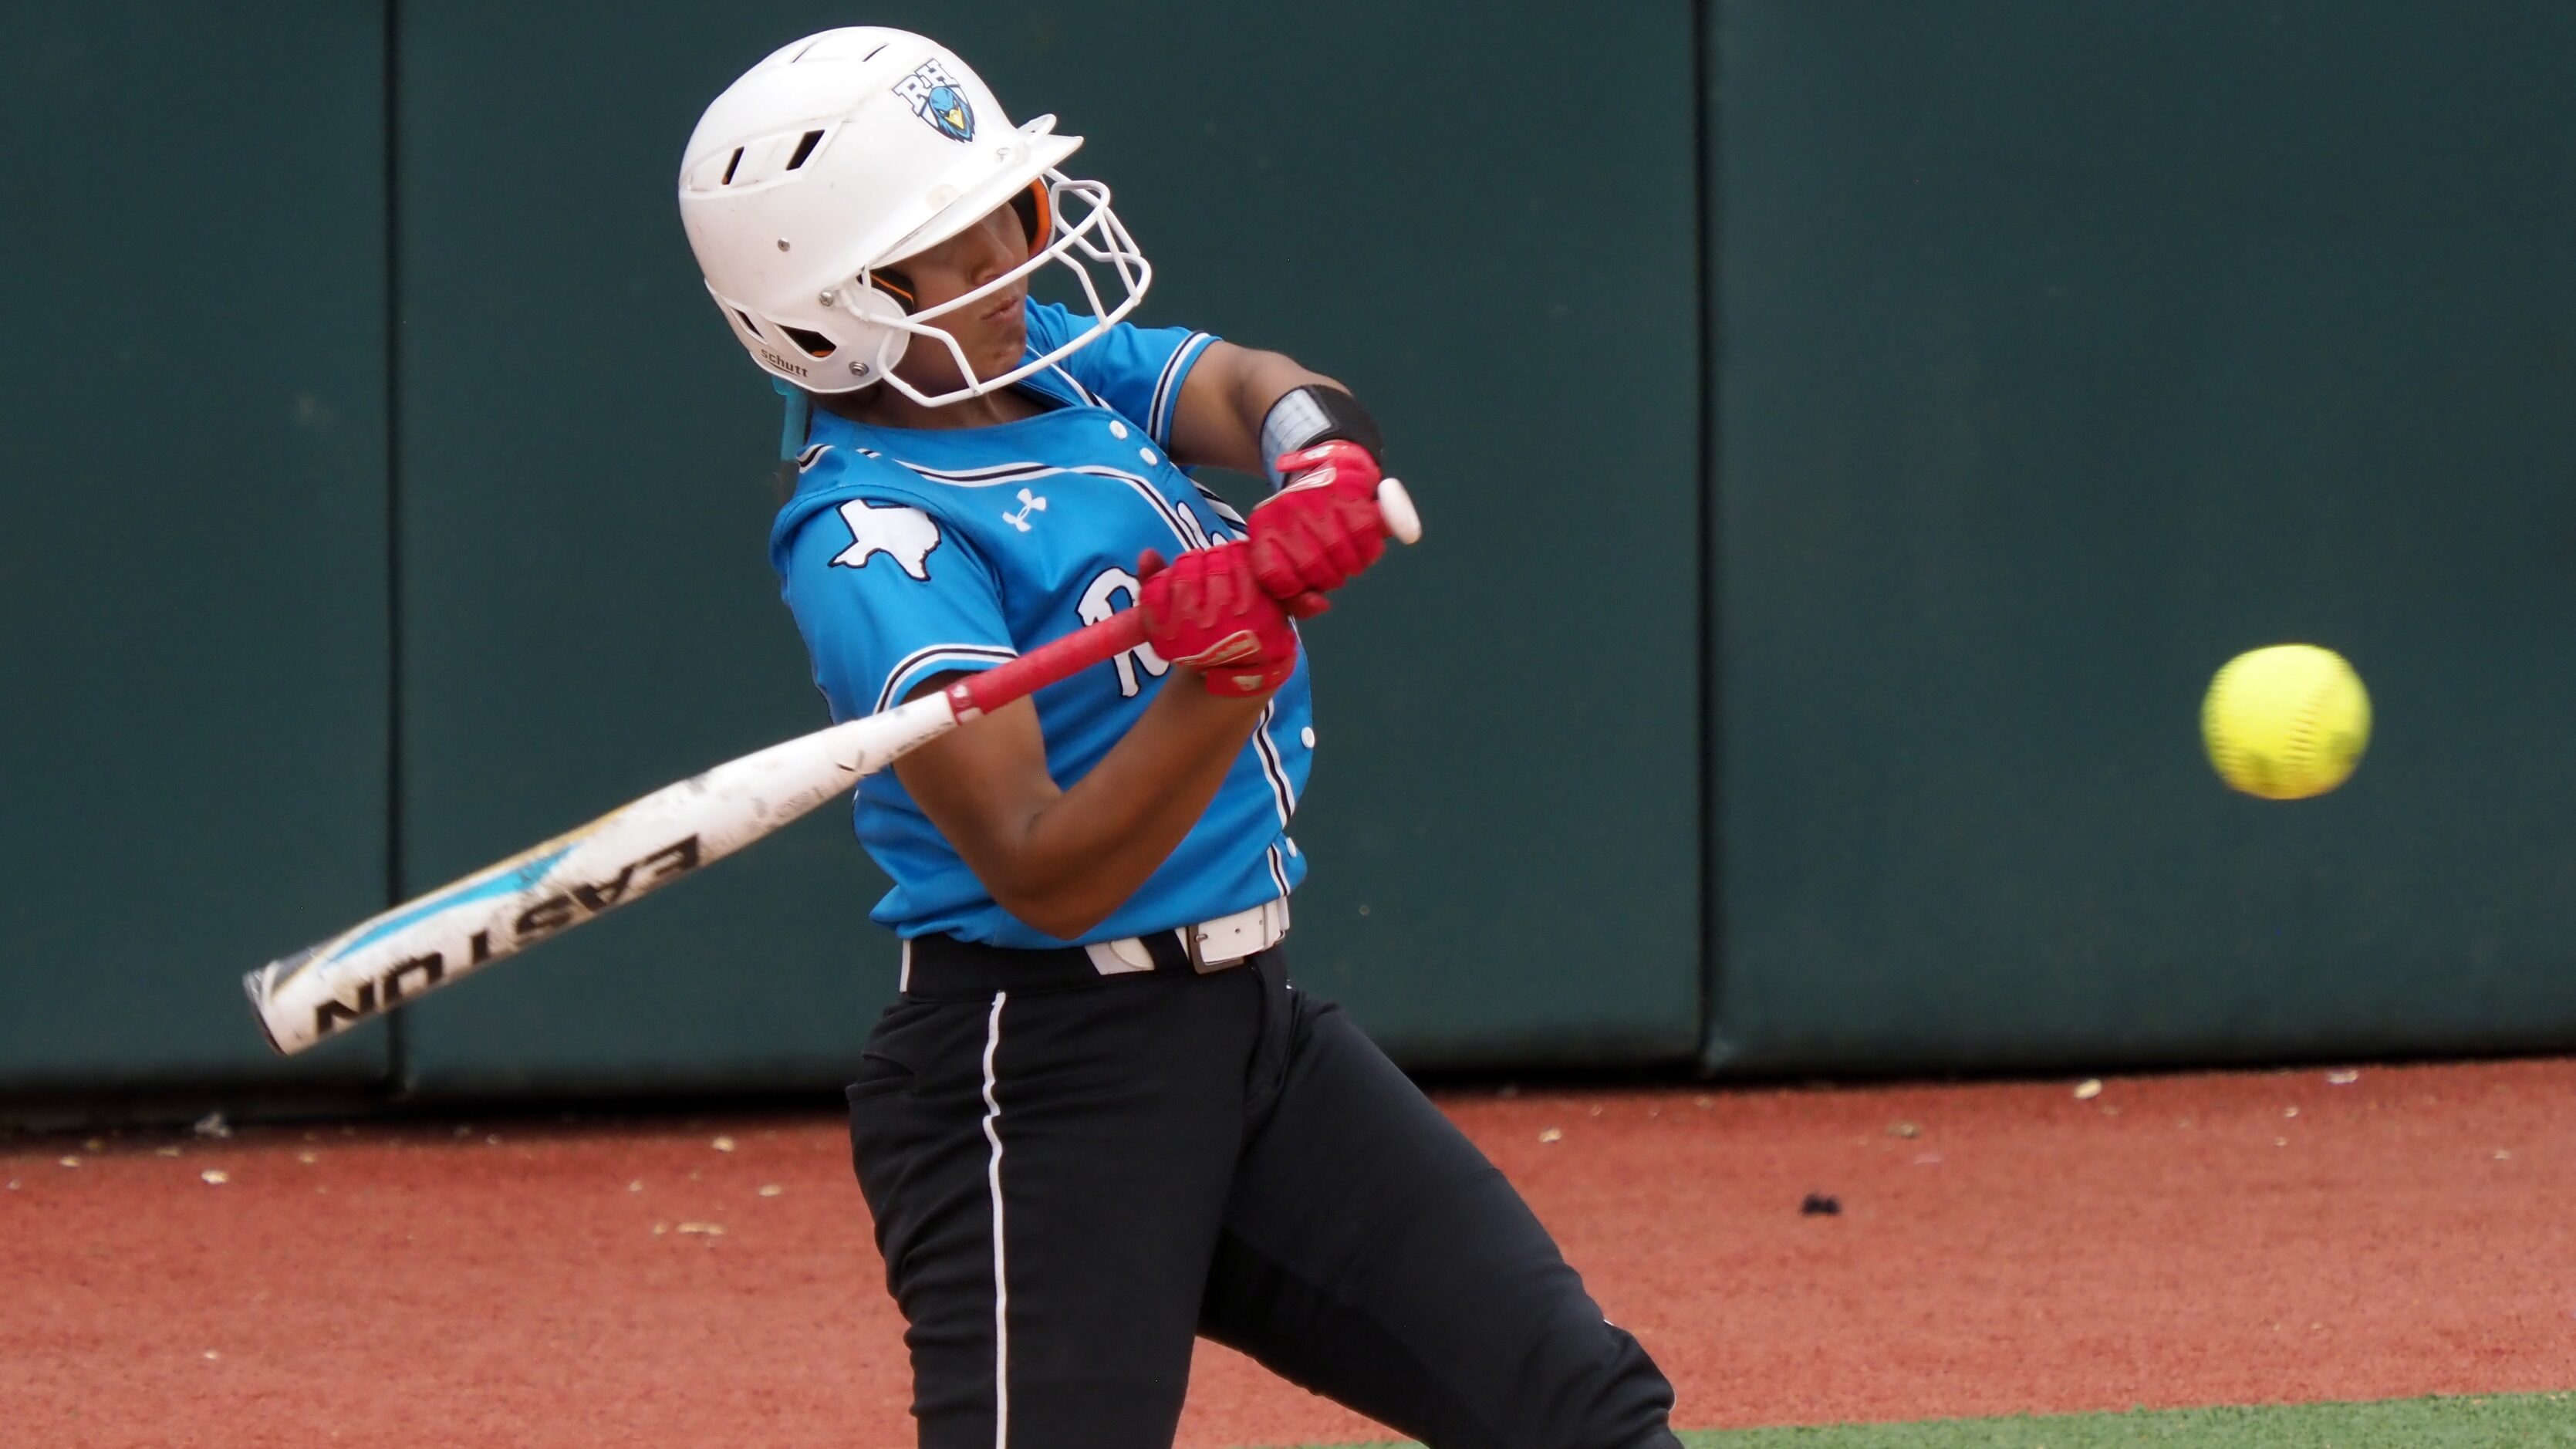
[[1313, 414]]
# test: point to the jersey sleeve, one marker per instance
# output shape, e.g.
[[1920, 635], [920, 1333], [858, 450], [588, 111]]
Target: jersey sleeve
[[1134, 371], [887, 597]]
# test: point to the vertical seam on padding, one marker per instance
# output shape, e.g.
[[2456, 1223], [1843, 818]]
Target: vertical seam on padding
[[1001, 1279]]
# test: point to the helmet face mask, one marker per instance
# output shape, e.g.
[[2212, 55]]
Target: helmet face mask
[[1097, 238], [840, 156]]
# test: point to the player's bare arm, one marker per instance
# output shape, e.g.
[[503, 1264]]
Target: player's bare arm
[[1229, 392], [1059, 859], [1062, 860]]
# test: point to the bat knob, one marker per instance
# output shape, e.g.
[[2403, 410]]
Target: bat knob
[[1403, 521]]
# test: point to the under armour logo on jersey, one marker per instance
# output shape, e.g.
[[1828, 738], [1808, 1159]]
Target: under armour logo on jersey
[[905, 535], [935, 96], [1028, 504]]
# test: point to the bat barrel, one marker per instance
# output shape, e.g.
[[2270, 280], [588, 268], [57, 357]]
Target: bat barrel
[[619, 858]]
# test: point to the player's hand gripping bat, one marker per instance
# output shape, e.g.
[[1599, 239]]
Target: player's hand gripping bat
[[391, 959]]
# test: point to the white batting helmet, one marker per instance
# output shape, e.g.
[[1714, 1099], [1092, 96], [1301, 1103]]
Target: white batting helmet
[[848, 151]]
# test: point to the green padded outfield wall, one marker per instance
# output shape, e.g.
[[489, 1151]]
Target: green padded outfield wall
[[2067, 350], [192, 573], [1504, 817]]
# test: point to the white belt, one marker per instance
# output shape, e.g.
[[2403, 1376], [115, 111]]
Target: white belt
[[1212, 945]]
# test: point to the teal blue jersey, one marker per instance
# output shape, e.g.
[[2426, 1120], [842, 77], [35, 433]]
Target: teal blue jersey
[[908, 554]]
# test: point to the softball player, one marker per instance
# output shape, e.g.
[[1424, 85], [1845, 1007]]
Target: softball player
[[1101, 1119]]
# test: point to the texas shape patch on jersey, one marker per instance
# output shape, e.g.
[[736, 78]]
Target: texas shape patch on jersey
[[905, 535]]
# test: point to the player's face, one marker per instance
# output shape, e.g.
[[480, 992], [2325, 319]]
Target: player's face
[[992, 333]]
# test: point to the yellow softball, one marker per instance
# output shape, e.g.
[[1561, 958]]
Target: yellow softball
[[2285, 722]]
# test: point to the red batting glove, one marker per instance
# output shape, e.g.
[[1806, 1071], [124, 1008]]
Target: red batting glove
[[1321, 528], [1207, 613]]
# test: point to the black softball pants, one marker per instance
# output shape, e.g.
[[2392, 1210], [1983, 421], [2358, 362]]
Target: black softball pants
[[1070, 1184]]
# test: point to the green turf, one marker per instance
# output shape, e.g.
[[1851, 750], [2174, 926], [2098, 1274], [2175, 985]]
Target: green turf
[[2492, 1421]]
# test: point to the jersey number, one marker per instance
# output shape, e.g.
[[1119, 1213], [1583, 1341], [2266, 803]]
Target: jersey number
[[1098, 603]]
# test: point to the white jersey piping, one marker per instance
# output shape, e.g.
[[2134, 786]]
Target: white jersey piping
[[1001, 1277]]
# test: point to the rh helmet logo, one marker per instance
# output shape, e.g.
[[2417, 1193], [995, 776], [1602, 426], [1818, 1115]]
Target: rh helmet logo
[[935, 96]]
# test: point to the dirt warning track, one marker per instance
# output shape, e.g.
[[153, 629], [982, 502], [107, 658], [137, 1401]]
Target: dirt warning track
[[2243, 1238]]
